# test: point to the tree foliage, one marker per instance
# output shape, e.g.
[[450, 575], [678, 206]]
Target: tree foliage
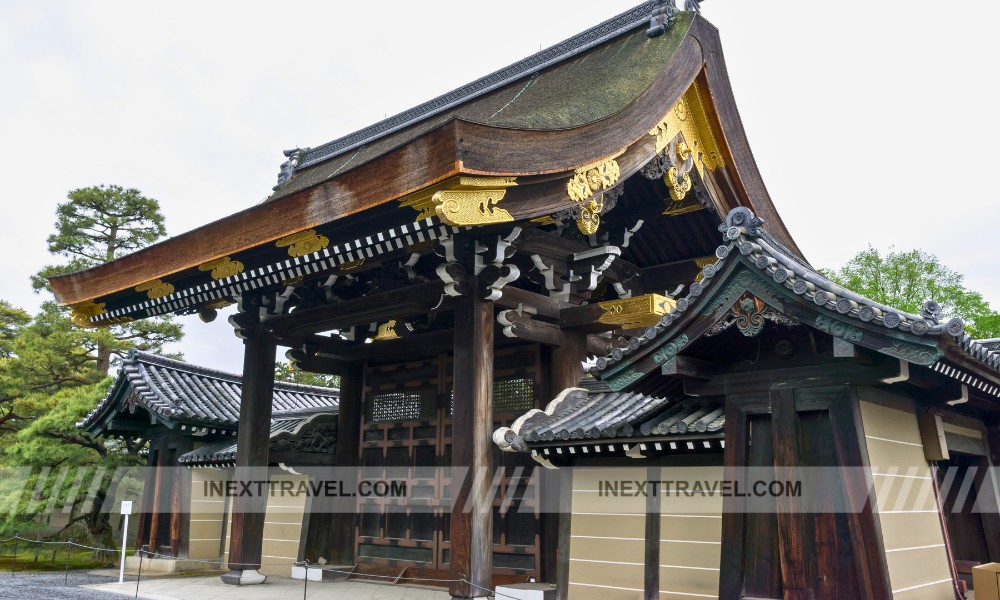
[[906, 279], [98, 224], [284, 372], [52, 373]]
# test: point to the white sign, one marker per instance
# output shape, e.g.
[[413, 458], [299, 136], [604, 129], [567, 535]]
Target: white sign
[[126, 510]]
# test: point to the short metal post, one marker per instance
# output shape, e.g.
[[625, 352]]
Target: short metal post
[[68, 542], [305, 587], [13, 562]]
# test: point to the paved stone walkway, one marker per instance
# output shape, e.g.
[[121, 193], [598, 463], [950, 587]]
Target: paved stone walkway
[[211, 588]]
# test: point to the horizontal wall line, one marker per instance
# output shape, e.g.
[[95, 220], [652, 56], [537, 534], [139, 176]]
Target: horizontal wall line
[[915, 548]]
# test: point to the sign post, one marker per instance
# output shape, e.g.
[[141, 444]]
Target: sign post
[[126, 511]]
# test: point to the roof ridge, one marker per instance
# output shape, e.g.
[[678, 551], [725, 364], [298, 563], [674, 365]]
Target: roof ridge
[[136, 356], [569, 47]]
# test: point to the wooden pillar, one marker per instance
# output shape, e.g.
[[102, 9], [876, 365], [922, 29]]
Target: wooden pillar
[[472, 425], [864, 525], [180, 515], [146, 509], [565, 370], [158, 498], [331, 528], [247, 534], [651, 576], [988, 494], [793, 526], [733, 507]]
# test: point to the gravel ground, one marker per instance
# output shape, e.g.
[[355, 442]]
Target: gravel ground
[[45, 586]]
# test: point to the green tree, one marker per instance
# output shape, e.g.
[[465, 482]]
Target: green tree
[[99, 224], [53, 373], [284, 372], [906, 279]]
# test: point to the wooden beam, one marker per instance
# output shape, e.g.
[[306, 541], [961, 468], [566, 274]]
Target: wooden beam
[[584, 318], [472, 513], [689, 367], [541, 305], [130, 425], [667, 276], [819, 375], [246, 537], [396, 304]]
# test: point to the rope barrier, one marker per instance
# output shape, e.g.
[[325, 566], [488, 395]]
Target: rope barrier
[[305, 564]]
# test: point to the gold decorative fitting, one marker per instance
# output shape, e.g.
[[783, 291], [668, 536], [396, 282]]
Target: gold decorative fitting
[[218, 303], [689, 119], [351, 265], [641, 311], [592, 178], [678, 177], [292, 281], [423, 201], [303, 242], [544, 220], [222, 267], [81, 313], [682, 207], [477, 207], [156, 288], [386, 331], [702, 263], [590, 216]]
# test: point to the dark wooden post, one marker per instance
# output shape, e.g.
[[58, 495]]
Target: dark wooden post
[[180, 515], [864, 525], [565, 370], [247, 534], [651, 577], [154, 515], [988, 493], [146, 510], [472, 423], [793, 526], [334, 532]]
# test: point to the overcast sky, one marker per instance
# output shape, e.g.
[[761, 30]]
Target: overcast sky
[[872, 122]]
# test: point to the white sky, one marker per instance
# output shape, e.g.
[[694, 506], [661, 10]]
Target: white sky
[[872, 122]]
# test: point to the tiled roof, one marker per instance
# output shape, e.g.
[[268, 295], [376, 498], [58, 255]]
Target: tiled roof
[[745, 239], [582, 414], [178, 392], [223, 452]]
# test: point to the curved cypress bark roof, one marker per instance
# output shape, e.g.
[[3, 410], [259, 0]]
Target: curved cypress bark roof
[[594, 96]]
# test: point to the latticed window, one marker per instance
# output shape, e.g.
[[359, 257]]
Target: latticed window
[[510, 395], [513, 394], [395, 406]]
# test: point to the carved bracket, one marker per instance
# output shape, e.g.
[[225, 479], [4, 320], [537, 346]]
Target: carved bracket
[[455, 278], [253, 311]]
